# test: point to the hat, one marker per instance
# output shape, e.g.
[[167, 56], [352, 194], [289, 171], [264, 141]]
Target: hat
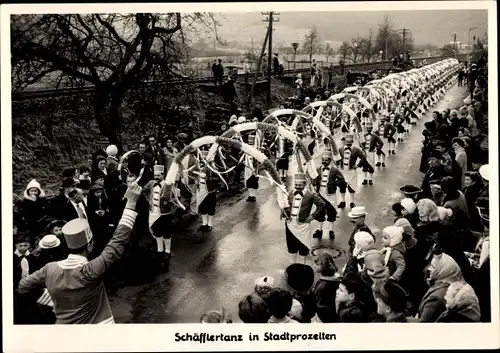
[[364, 240], [300, 177], [353, 282], [266, 281], [484, 171], [158, 168], [68, 183], [49, 241], [467, 100], [349, 137], [241, 119], [393, 295], [68, 172], [409, 205], [374, 264], [357, 211], [435, 183], [84, 184], [111, 150], [326, 154], [22, 237], [233, 119], [435, 154], [77, 233], [299, 277], [444, 213], [395, 234], [182, 136]]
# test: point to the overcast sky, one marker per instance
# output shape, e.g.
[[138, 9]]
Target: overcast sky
[[430, 26]]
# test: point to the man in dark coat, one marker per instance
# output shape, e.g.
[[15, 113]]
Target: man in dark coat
[[437, 171]]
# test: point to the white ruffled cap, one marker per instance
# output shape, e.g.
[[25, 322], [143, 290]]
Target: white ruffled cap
[[111, 150], [409, 205]]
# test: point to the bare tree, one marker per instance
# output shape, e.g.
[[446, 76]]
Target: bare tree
[[344, 50], [112, 52], [448, 50], [328, 51], [312, 43], [390, 41]]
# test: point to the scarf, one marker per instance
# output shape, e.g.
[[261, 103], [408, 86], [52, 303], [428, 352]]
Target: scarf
[[25, 266]]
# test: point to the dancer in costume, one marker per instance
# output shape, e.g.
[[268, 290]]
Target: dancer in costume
[[251, 171], [160, 223], [349, 155], [329, 176], [206, 193], [373, 148], [389, 131], [299, 217], [282, 157]]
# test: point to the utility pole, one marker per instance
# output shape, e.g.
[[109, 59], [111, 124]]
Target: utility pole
[[406, 33], [259, 63], [455, 49], [270, 19]]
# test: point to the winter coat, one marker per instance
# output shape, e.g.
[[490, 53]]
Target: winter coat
[[325, 289], [460, 210], [33, 210], [353, 312], [396, 261], [471, 194]]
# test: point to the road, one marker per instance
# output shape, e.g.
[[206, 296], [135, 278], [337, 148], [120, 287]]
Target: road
[[218, 269]]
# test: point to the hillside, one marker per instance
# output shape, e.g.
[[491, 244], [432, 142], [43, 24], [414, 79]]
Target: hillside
[[51, 134]]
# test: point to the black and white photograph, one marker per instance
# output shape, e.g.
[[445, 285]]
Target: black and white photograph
[[239, 163]]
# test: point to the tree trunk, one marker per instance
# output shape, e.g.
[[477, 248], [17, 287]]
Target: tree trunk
[[107, 123]]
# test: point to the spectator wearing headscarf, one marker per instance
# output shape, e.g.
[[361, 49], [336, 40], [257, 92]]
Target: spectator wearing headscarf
[[442, 272], [462, 304], [394, 251], [33, 207]]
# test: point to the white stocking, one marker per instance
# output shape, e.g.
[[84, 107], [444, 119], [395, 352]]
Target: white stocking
[[370, 176], [168, 244], [330, 226], [352, 196], [210, 220], [204, 219], [159, 244]]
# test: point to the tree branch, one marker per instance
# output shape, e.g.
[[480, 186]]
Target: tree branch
[[111, 30]]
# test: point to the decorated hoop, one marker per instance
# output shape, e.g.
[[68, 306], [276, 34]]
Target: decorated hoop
[[282, 131], [124, 166], [268, 166]]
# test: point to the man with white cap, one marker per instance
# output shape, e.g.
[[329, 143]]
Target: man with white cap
[[75, 284], [349, 156], [326, 187], [160, 223], [357, 217], [299, 217]]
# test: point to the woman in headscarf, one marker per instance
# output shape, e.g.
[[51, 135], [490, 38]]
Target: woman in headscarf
[[33, 207], [442, 272], [433, 234], [462, 304]]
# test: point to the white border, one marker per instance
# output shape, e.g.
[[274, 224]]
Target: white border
[[161, 337]]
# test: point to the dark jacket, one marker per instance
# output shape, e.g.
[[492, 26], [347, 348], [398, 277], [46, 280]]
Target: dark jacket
[[433, 303], [396, 263], [436, 173], [335, 178], [353, 312], [325, 290]]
